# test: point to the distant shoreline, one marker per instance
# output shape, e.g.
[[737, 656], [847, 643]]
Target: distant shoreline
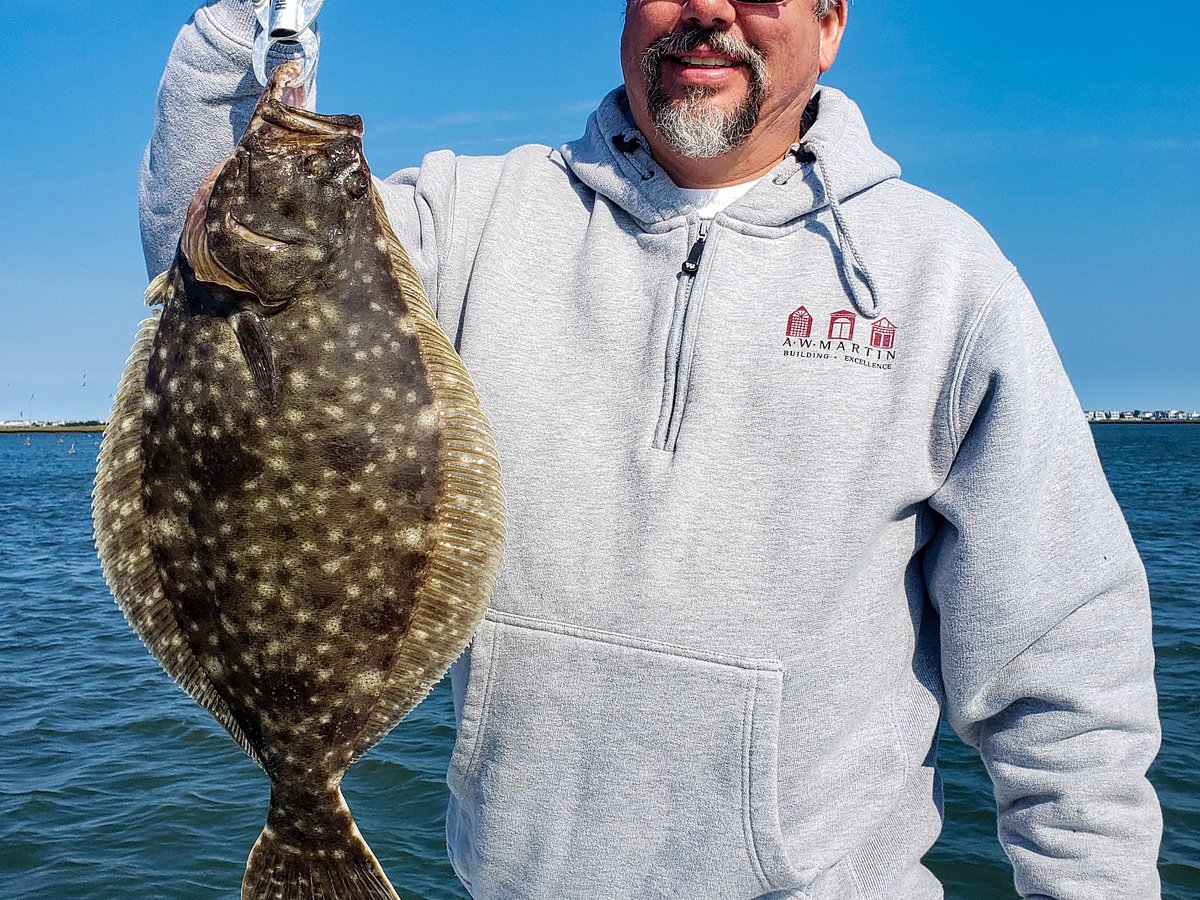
[[51, 429], [1144, 421], [97, 429]]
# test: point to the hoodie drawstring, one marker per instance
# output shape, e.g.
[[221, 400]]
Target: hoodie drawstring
[[849, 252], [629, 144]]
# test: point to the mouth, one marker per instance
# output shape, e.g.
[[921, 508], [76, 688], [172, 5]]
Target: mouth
[[706, 61], [703, 70], [282, 105]]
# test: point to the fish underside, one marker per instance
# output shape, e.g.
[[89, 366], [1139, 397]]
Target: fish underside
[[298, 504]]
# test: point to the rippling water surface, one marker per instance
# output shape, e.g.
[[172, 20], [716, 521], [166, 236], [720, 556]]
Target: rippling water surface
[[114, 783]]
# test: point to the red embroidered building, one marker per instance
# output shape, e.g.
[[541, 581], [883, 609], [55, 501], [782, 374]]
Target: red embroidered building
[[841, 326], [799, 324], [883, 335]]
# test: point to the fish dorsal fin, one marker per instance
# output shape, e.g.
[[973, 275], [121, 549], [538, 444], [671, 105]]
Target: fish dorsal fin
[[468, 531], [159, 289], [120, 531]]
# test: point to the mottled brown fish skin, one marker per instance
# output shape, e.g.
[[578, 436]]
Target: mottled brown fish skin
[[291, 531], [318, 487]]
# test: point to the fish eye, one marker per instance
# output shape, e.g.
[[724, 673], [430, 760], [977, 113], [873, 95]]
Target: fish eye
[[357, 184], [317, 165]]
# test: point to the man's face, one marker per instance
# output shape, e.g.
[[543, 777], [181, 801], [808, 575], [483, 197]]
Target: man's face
[[708, 75]]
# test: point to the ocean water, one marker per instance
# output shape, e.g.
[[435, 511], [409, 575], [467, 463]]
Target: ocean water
[[114, 783]]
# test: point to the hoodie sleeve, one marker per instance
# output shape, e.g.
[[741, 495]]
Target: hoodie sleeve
[[205, 99], [207, 95], [1045, 619]]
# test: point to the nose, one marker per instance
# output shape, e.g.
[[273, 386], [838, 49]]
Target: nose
[[708, 13]]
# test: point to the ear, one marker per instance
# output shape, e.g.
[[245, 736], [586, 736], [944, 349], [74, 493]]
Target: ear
[[833, 26]]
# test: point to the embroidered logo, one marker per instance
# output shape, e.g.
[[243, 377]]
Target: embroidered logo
[[841, 325], [839, 345], [883, 335], [799, 324]]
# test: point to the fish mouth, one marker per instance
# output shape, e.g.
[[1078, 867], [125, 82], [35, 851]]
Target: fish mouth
[[283, 107], [302, 121]]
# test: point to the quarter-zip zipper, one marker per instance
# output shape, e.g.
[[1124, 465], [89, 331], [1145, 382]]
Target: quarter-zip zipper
[[691, 265], [675, 375]]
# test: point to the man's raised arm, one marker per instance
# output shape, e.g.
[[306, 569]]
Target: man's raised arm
[[205, 100], [207, 94]]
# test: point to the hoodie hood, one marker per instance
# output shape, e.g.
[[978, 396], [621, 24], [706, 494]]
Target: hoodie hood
[[834, 161], [613, 158]]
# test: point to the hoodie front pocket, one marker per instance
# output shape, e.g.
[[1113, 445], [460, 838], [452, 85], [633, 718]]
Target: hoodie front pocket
[[594, 765]]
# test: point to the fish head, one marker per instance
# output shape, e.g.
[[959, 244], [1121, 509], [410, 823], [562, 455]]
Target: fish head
[[276, 216]]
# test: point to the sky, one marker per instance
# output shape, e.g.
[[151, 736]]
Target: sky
[[1071, 130]]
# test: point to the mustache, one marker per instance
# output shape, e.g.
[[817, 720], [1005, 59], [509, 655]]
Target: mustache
[[691, 37]]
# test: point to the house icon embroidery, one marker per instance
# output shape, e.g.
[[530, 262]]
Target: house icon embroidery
[[799, 324], [883, 335], [841, 326]]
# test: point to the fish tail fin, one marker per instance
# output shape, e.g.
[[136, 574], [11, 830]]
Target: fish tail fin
[[326, 859]]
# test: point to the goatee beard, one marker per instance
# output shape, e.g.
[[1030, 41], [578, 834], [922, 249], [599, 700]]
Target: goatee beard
[[692, 127]]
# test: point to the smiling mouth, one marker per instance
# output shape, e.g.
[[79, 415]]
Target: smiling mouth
[[708, 62]]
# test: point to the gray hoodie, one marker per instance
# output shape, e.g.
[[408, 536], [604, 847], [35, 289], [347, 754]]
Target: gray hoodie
[[779, 498]]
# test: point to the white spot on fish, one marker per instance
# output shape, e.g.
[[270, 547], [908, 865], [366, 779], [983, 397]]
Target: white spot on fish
[[368, 682]]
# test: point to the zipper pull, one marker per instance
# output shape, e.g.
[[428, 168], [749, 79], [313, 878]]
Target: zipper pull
[[691, 265]]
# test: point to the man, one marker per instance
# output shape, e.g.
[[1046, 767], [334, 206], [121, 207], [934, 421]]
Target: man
[[792, 468]]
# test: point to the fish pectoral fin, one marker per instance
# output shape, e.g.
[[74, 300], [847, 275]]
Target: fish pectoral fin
[[255, 342]]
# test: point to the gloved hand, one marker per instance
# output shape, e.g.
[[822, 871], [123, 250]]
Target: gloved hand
[[286, 22]]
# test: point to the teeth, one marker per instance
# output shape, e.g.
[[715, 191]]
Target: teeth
[[710, 62]]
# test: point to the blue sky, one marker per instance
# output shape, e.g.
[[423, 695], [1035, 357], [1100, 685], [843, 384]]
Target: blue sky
[[1071, 130]]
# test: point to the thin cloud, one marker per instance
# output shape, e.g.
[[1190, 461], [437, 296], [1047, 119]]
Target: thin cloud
[[576, 107], [448, 120]]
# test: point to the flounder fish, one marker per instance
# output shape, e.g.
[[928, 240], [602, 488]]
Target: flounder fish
[[298, 502]]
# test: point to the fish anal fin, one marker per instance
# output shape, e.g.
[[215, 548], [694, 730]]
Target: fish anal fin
[[467, 538], [121, 536], [255, 341]]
